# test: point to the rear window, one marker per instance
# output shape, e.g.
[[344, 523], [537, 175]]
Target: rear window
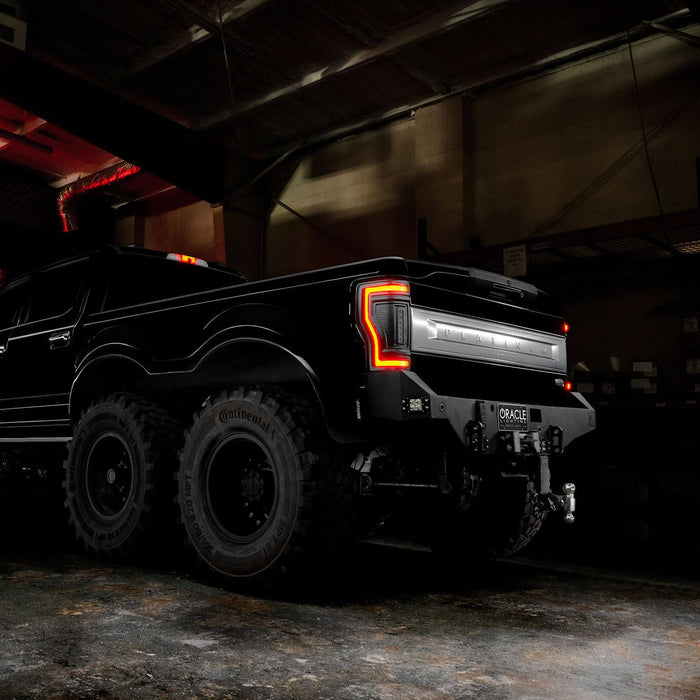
[[57, 291], [140, 279]]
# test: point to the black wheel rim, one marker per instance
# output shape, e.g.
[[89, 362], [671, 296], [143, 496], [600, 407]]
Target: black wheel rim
[[109, 476], [240, 487]]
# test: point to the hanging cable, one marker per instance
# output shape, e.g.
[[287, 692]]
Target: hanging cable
[[347, 247], [641, 115], [227, 66]]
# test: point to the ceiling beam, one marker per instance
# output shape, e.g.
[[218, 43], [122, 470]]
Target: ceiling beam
[[445, 21], [637, 228], [686, 38], [507, 77], [19, 138], [202, 29], [157, 144], [333, 15]]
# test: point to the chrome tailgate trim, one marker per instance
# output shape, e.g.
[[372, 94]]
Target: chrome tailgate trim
[[468, 338]]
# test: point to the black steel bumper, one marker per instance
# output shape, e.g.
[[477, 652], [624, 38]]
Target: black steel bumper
[[479, 422]]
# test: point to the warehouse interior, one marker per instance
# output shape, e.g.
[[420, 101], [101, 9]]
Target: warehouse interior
[[550, 140]]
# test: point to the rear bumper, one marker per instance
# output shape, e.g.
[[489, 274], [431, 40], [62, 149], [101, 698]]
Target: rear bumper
[[402, 397]]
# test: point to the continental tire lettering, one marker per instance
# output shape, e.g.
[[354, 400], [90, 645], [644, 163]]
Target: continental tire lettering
[[279, 530], [192, 518], [114, 534], [203, 541], [74, 450], [229, 414]]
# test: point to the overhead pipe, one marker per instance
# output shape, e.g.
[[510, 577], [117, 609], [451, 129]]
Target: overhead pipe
[[103, 178]]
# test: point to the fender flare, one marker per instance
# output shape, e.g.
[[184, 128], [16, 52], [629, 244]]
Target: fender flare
[[92, 366], [290, 366], [233, 360]]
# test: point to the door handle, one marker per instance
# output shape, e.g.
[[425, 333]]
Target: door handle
[[60, 339]]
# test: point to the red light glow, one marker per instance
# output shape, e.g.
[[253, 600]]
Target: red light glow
[[565, 327], [189, 259], [568, 386], [379, 358], [90, 183]]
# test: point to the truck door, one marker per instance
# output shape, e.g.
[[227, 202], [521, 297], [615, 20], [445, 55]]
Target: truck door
[[14, 302], [40, 351]]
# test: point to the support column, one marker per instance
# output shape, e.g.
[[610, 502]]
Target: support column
[[131, 230], [445, 174], [469, 174], [239, 235]]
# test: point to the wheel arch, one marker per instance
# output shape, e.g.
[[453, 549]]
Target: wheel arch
[[104, 375], [250, 360], [229, 362]]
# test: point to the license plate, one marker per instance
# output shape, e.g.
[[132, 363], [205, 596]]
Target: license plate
[[512, 417]]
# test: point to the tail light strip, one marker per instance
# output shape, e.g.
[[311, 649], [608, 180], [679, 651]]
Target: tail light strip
[[381, 356]]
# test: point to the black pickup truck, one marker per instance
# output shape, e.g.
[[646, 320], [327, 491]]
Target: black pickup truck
[[286, 414]]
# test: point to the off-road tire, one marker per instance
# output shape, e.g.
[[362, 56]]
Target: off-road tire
[[253, 490], [118, 474], [505, 518], [526, 526]]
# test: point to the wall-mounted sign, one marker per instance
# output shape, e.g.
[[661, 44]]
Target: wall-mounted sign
[[515, 261], [690, 324]]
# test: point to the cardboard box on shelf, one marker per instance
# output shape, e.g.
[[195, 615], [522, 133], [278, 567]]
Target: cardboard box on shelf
[[645, 368], [608, 387], [692, 365], [690, 324], [586, 382], [644, 385]]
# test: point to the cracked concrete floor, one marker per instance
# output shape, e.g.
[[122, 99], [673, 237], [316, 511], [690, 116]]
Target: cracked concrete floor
[[391, 625]]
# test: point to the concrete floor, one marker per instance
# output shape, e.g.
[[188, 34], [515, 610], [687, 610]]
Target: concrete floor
[[391, 625]]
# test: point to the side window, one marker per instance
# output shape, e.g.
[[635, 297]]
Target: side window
[[134, 282], [57, 291], [13, 303]]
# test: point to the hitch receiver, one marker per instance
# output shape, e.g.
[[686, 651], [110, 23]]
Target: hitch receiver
[[569, 502], [564, 504]]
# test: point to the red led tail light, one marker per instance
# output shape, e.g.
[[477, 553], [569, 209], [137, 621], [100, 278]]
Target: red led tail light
[[387, 337]]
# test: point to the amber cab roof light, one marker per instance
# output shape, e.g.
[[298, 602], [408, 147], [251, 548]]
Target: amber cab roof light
[[188, 259]]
